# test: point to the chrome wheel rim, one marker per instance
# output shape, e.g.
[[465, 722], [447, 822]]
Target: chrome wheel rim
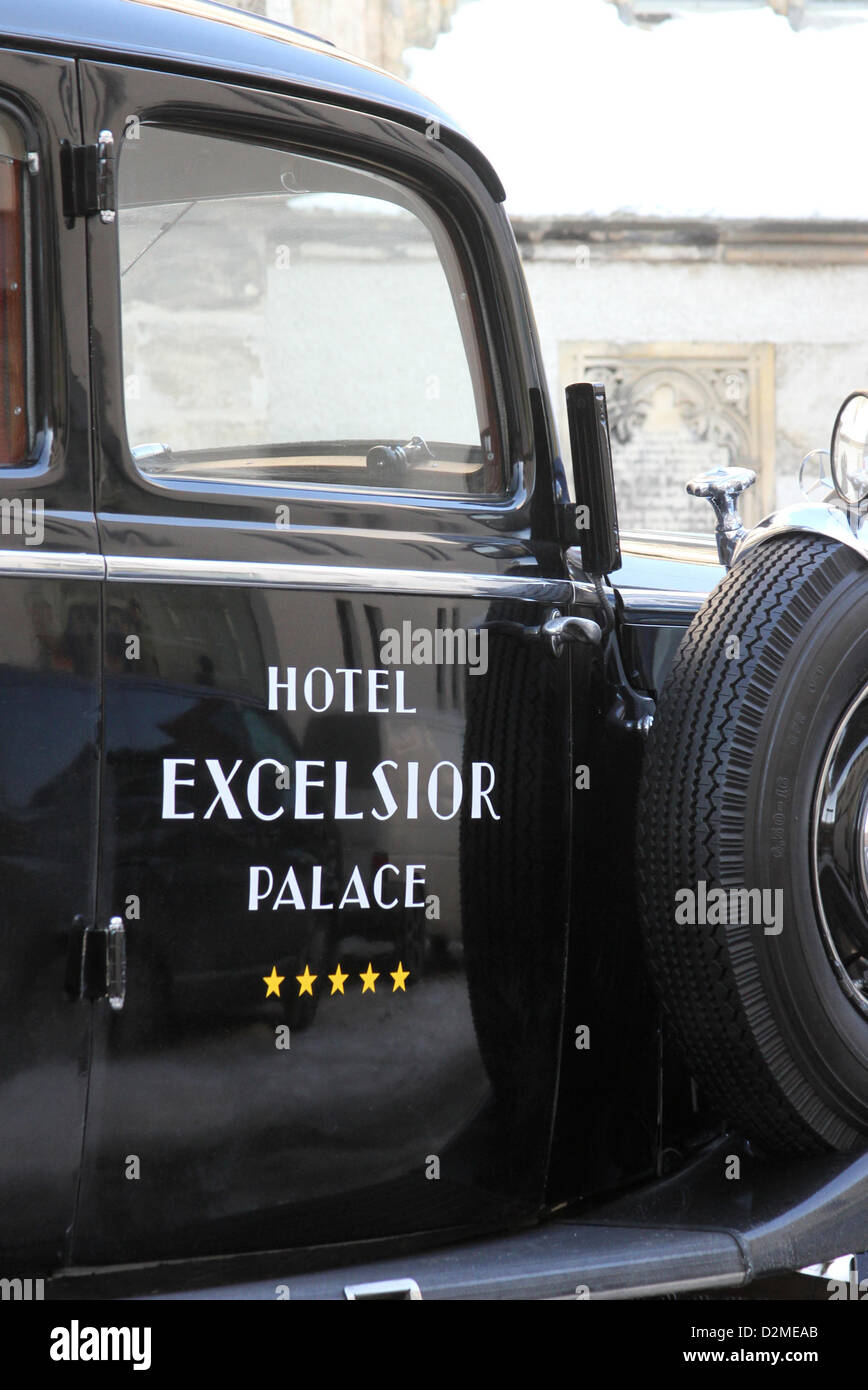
[[839, 852]]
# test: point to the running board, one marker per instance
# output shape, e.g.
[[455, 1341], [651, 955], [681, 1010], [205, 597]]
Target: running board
[[697, 1230]]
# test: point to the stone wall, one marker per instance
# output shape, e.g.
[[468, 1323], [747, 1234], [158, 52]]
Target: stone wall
[[793, 293]]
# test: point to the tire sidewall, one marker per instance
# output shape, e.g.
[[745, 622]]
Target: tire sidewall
[[825, 1056]]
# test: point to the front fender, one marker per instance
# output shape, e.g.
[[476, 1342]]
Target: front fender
[[830, 519]]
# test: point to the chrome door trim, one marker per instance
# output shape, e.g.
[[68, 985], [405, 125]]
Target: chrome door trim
[[152, 569], [52, 564]]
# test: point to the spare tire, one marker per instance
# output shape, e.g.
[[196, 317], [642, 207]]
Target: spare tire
[[752, 846]]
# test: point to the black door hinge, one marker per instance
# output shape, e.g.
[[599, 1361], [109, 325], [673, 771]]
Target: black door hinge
[[88, 173]]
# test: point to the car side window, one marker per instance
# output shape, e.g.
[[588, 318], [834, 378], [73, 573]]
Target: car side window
[[16, 385], [291, 319]]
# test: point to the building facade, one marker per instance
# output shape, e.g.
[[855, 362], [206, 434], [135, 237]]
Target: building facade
[[719, 343]]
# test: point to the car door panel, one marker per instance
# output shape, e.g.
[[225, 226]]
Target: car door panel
[[287, 801]]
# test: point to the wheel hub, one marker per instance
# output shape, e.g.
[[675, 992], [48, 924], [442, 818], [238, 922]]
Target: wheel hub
[[840, 851], [863, 845]]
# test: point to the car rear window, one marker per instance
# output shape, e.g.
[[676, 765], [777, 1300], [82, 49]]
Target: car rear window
[[15, 412]]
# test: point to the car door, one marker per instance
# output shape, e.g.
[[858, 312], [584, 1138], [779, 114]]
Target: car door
[[50, 570], [335, 809]]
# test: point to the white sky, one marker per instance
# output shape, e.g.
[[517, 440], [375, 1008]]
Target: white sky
[[730, 115]]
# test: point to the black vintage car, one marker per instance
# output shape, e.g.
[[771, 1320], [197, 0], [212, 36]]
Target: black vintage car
[[393, 856]]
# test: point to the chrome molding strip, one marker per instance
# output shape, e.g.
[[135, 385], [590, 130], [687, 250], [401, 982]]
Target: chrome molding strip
[[650, 604], [659, 606], [52, 564], [645, 606], [346, 578], [698, 548]]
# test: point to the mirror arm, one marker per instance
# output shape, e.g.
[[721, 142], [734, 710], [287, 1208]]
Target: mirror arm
[[722, 487]]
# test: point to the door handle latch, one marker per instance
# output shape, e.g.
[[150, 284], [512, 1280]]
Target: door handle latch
[[116, 962], [558, 630], [555, 632], [103, 972]]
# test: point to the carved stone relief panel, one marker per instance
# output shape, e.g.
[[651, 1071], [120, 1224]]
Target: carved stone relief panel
[[675, 410]]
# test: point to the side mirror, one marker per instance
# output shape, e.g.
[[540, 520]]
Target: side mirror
[[850, 450], [596, 524]]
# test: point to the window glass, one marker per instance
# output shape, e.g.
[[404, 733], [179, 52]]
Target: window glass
[[287, 318], [15, 409]]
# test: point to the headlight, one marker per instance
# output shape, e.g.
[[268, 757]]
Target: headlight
[[850, 450]]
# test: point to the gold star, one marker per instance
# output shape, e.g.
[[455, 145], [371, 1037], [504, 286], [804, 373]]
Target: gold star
[[368, 979], [399, 976], [305, 982], [274, 981], [337, 980]]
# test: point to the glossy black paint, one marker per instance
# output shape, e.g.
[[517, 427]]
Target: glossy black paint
[[330, 1141], [50, 711], [593, 476], [696, 1233], [243, 1146]]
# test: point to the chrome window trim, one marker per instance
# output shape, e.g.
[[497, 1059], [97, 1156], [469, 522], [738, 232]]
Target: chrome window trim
[[488, 504], [150, 569]]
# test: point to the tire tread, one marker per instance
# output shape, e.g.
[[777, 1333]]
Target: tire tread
[[692, 809]]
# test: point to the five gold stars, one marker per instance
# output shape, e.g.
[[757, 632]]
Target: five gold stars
[[274, 981], [337, 980]]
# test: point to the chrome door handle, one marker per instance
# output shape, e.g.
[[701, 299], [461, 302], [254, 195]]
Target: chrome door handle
[[558, 630], [116, 963], [555, 632], [103, 963]]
